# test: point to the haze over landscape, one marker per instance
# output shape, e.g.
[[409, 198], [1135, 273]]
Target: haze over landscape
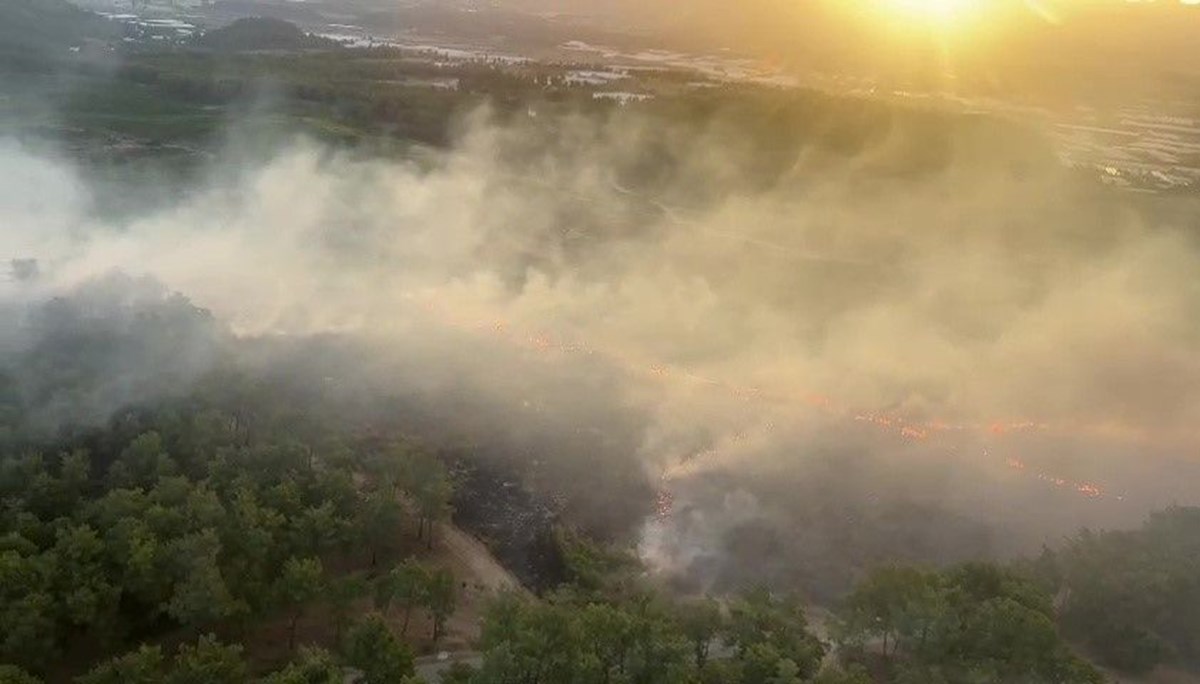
[[599, 341]]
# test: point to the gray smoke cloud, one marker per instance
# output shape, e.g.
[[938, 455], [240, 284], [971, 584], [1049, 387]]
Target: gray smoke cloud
[[942, 327]]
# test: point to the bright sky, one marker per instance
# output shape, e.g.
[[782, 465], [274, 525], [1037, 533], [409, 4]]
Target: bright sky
[[958, 14], [995, 46], [1057, 47]]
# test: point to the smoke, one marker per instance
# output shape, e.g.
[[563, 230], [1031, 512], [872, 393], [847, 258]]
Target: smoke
[[828, 334]]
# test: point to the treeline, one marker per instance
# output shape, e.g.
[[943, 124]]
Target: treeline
[[356, 92], [370, 654], [971, 623], [637, 636], [976, 622]]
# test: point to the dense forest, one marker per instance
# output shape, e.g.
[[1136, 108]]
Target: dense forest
[[201, 510]]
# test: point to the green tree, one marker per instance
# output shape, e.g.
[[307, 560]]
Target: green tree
[[343, 593], [975, 622], [142, 566], [529, 642], [460, 673], [761, 663], [28, 609], [701, 622], [892, 604], [313, 666], [142, 666], [318, 528], [432, 489], [142, 463], [378, 520], [854, 674], [660, 652], [250, 540], [440, 597], [1133, 596], [787, 672], [760, 619], [406, 584], [74, 478], [11, 674], [570, 638], [208, 662], [81, 581], [607, 634], [200, 595], [391, 468], [301, 581], [373, 650]]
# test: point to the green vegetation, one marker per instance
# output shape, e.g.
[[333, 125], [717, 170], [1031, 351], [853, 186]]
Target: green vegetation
[[211, 513], [972, 623], [639, 637], [1132, 597], [589, 566], [373, 650], [370, 651]]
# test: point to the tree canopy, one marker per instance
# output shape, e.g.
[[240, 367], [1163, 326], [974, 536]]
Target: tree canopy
[[973, 622], [1132, 597]]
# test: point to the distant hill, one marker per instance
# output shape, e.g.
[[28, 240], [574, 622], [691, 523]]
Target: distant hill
[[262, 33], [34, 28]]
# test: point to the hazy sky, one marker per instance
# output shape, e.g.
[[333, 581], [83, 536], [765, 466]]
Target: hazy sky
[[1017, 44]]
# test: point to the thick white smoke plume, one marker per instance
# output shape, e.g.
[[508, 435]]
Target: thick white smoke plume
[[986, 318]]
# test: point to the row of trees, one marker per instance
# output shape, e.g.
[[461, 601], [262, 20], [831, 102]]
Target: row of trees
[[976, 622], [972, 623], [639, 637], [369, 654]]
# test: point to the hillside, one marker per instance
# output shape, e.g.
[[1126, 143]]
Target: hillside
[[262, 33], [47, 25]]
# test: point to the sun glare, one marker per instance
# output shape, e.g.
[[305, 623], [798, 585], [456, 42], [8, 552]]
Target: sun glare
[[943, 13]]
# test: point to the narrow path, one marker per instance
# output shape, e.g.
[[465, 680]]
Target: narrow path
[[473, 556]]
